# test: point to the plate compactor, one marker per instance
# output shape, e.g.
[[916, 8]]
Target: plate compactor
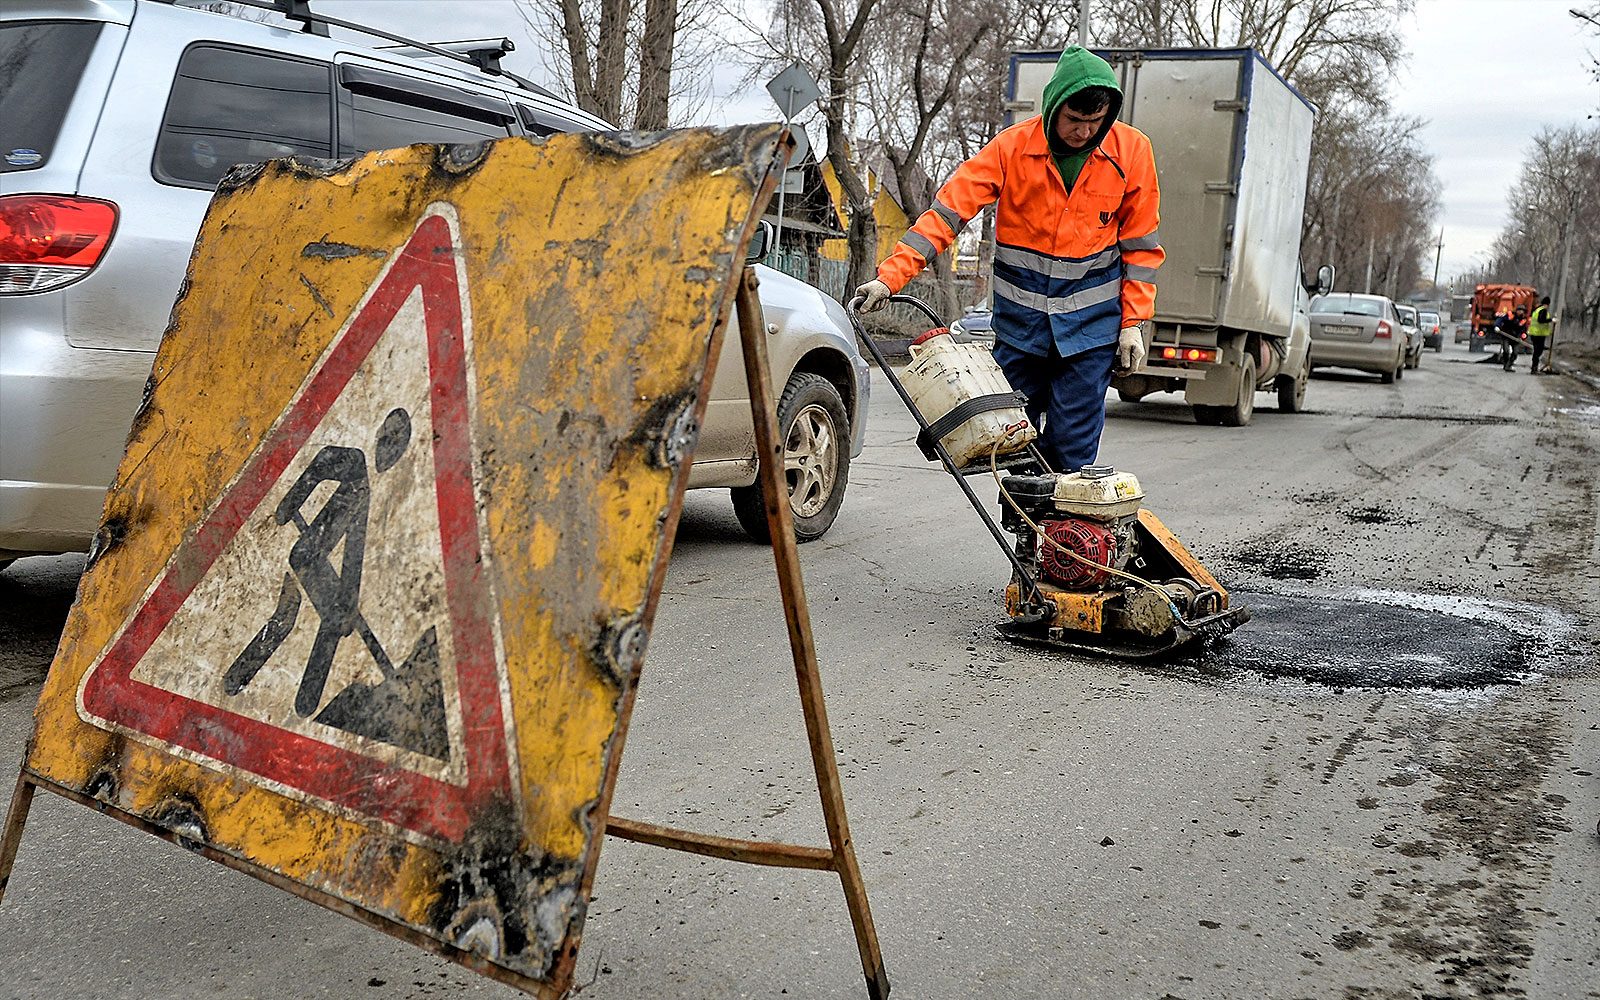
[[1092, 570]]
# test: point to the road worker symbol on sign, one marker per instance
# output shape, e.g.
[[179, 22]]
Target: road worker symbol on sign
[[340, 526], [332, 615]]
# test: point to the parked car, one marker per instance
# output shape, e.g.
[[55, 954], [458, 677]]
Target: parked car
[[1413, 330], [1351, 330], [1432, 330], [116, 122], [975, 325]]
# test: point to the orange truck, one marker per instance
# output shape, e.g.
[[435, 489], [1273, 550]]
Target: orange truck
[[1489, 301]]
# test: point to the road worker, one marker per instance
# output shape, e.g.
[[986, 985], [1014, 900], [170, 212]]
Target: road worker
[[1076, 251], [1539, 327]]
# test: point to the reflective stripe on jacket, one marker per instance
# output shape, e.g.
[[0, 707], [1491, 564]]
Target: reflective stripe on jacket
[[1069, 269], [1539, 322]]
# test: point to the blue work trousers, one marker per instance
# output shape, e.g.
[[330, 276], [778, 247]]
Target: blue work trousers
[[1066, 399]]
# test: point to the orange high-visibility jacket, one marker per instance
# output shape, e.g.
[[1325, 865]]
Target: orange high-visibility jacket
[[1069, 269]]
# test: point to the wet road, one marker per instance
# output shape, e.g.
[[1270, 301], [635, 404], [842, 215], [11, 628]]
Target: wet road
[[1383, 787]]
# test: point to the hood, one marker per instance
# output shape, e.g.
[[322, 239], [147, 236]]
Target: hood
[[1076, 69]]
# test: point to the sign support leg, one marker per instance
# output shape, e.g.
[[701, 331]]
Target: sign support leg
[[11, 833], [780, 524]]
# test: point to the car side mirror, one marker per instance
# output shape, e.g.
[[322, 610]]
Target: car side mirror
[[760, 243], [1325, 279]]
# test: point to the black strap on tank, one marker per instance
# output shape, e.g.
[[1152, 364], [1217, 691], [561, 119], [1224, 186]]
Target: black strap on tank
[[963, 412]]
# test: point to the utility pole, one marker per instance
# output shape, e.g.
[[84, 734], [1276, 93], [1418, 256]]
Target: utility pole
[[1372, 246], [1566, 258], [1437, 253], [1083, 24]]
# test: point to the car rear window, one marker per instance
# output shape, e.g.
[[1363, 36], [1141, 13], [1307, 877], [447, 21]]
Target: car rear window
[[383, 110], [239, 106], [40, 65], [1347, 304]]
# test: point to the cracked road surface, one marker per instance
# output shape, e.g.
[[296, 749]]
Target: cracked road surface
[[1384, 787]]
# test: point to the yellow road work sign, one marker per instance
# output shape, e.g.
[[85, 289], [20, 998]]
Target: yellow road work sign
[[375, 576]]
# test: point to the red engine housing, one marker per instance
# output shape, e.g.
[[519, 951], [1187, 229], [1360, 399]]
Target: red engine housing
[[1089, 539]]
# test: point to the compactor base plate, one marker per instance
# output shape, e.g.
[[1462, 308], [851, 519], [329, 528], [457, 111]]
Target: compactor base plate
[[1121, 645]]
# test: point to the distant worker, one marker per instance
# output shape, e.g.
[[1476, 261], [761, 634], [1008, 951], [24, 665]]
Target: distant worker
[[1076, 251], [1539, 327]]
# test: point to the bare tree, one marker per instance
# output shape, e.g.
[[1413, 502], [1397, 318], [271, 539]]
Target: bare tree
[[912, 95], [626, 61], [1590, 17], [834, 32], [1555, 220]]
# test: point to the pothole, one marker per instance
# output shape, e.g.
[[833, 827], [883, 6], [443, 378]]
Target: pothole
[[1386, 639]]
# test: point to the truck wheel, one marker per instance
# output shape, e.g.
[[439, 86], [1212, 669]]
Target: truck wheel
[[1129, 397], [1209, 416], [1242, 410], [816, 461], [1292, 390]]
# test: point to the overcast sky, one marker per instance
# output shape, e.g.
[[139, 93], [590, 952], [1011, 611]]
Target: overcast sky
[[1486, 75]]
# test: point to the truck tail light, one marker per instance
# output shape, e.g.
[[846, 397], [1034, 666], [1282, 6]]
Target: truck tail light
[[47, 241], [1188, 354], [1384, 329]]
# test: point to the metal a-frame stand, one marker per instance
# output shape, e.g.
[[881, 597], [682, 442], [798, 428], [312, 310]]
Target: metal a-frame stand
[[839, 856]]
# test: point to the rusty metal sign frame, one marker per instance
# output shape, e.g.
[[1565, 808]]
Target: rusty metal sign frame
[[739, 298]]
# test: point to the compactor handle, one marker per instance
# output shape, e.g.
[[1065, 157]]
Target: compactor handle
[[853, 307]]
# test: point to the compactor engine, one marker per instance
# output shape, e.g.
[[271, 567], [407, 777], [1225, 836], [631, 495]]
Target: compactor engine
[[1099, 569]]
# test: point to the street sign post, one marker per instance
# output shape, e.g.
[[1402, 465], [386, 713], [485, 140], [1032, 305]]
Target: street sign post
[[371, 629], [793, 89]]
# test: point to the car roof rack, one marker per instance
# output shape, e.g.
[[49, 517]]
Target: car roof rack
[[483, 54]]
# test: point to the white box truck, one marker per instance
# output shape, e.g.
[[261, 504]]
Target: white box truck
[[1232, 144]]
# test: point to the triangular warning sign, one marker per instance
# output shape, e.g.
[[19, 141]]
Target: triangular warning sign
[[329, 629]]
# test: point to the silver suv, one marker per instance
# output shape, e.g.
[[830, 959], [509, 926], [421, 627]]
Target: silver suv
[[117, 119]]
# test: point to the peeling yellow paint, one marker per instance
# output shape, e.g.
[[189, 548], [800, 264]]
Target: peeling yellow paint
[[595, 271]]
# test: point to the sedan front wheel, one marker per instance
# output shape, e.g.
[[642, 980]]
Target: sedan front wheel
[[816, 461]]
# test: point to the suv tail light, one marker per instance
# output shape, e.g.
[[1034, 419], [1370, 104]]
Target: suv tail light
[[47, 240], [1384, 329]]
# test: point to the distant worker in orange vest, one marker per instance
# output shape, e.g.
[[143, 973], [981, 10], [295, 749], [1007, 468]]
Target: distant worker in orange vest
[[1076, 251]]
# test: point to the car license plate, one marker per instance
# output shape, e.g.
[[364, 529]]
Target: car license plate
[[1343, 331]]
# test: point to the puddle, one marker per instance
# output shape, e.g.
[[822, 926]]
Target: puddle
[[1588, 414], [1389, 639]]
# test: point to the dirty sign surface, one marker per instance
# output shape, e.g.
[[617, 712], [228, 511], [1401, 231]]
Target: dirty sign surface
[[376, 574]]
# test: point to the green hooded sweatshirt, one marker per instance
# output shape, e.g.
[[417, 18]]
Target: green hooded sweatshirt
[[1076, 69]]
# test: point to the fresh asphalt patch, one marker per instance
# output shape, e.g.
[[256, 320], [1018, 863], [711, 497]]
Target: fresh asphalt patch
[[1392, 640]]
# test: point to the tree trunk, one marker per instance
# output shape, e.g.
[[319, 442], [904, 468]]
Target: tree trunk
[[611, 62], [576, 35], [655, 63]]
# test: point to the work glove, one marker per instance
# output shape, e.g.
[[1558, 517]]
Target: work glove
[[1130, 349], [873, 294]]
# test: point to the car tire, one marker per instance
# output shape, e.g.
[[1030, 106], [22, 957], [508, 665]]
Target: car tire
[[1292, 390], [1244, 408], [1388, 377], [816, 456], [1208, 416]]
